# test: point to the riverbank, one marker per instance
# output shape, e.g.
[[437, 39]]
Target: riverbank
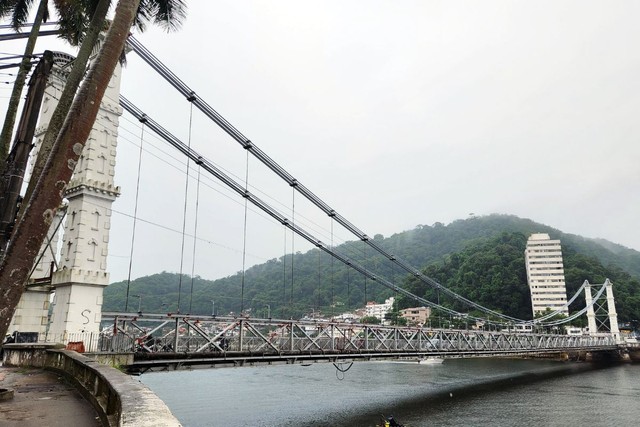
[[43, 398]]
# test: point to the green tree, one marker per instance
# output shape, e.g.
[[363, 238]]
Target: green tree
[[395, 318], [370, 320]]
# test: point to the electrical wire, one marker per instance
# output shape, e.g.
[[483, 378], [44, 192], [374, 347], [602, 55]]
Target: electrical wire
[[135, 217]]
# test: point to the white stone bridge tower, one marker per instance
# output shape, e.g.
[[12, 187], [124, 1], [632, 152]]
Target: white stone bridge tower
[[81, 274]]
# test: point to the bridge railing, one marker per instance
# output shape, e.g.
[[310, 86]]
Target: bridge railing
[[90, 342]]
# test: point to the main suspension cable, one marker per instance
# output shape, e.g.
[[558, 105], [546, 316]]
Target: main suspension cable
[[240, 189], [577, 313], [178, 84], [561, 310]]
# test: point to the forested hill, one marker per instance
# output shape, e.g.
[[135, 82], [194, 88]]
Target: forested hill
[[482, 258], [424, 243], [491, 271]]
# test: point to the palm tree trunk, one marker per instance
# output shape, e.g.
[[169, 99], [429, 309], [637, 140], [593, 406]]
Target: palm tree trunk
[[14, 100], [68, 93], [47, 195]]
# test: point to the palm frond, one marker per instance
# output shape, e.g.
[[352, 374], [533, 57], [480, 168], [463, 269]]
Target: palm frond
[[72, 20], [168, 14], [20, 13], [142, 16], [171, 14], [6, 7]]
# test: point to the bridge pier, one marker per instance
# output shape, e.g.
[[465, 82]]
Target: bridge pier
[[634, 354], [611, 356]]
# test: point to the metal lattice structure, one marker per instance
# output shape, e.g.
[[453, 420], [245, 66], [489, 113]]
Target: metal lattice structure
[[173, 341]]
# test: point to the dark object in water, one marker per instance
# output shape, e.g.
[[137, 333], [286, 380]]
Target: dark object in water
[[6, 394], [390, 422]]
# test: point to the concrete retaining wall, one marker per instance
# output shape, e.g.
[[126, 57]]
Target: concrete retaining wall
[[119, 399]]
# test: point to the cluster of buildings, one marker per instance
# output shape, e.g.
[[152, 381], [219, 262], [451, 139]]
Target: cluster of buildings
[[415, 316]]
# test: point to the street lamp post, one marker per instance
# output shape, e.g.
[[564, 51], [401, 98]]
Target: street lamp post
[[213, 308], [268, 311]]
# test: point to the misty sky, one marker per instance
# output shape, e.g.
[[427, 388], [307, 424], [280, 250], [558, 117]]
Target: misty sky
[[395, 113]]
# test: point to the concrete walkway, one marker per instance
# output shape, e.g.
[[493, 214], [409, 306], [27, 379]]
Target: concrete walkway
[[43, 398]]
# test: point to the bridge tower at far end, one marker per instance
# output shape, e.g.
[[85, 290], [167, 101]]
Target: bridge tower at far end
[[601, 318]]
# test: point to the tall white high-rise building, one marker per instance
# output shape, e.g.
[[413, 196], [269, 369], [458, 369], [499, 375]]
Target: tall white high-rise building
[[545, 274]]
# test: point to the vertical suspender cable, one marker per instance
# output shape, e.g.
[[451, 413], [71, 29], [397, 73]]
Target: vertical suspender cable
[[195, 239], [348, 289], [135, 215], [395, 301], [293, 236], [364, 262], [244, 234], [186, 199], [284, 269], [333, 302], [316, 300]]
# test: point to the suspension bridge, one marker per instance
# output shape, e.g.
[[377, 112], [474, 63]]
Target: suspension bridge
[[185, 342], [176, 340]]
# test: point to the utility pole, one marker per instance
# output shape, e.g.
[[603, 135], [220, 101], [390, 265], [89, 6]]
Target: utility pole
[[16, 162]]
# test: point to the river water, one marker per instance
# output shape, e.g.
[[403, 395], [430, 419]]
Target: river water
[[463, 392]]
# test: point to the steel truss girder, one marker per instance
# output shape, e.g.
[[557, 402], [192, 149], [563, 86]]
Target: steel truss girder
[[225, 338]]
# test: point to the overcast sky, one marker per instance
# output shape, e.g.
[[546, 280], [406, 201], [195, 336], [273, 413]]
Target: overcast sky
[[395, 113]]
